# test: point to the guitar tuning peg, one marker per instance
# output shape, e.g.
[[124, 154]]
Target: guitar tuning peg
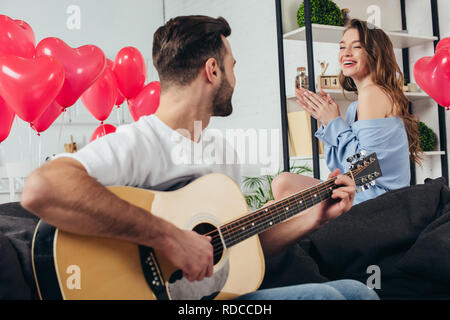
[[363, 153], [372, 183], [366, 186], [360, 189], [350, 159]]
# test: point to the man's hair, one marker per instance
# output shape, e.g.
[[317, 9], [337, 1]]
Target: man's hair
[[183, 45]]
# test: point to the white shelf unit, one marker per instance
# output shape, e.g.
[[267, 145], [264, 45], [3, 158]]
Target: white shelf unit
[[309, 157], [333, 34], [434, 153]]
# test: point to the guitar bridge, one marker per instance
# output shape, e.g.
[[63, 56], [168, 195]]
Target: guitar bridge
[[152, 273]]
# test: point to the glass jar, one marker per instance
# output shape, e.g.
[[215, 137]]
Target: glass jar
[[301, 79]]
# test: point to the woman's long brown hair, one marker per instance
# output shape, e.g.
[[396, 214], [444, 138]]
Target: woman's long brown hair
[[386, 74]]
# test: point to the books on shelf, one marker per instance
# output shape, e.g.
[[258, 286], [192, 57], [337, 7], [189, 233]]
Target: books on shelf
[[299, 124]]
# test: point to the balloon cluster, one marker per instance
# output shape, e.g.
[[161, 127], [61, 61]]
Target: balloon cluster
[[432, 74], [38, 83]]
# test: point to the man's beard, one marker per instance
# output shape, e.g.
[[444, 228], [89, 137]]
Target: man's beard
[[222, 106]]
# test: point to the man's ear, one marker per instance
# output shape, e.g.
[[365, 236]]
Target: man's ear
[[212, 70]]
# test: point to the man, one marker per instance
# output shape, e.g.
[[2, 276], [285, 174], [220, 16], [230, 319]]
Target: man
[[196, 68]]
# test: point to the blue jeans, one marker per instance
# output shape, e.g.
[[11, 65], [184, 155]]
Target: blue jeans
[[334, 290]]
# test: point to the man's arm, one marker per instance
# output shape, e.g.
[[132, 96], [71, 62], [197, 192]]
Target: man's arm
[[281, 236], [63, 194]]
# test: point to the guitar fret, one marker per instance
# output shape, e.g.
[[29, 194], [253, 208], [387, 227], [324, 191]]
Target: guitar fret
[[266, 218]]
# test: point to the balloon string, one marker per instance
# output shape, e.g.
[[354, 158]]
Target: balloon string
[[20, 139], [40, 150], [61, 127], [118, 115], [30, 147], [2, 154], [29, 141]]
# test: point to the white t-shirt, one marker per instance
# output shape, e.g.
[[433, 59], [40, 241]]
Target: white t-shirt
[[149, 154]]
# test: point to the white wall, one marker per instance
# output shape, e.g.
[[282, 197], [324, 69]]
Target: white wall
[[256, 99]]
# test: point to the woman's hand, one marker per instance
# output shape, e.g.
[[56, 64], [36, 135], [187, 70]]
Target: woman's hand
[[321, 107]]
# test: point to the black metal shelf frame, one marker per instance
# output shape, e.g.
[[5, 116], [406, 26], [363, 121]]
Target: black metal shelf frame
[[311, 81]]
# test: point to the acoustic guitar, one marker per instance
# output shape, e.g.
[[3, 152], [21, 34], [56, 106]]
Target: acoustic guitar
[[70, 266]]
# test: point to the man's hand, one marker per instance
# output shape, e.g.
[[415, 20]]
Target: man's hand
[[190, 252], [341, 199]]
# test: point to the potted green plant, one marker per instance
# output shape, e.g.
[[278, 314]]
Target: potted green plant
[[428, 138], [258, 190], [322, 12]]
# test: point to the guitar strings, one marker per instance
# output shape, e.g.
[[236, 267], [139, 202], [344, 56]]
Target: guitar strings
[[218, 245], [257, 217], [323, 186], [278, 213], [260, 214]]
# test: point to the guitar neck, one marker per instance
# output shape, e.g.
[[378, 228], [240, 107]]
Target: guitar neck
[[267, 217]]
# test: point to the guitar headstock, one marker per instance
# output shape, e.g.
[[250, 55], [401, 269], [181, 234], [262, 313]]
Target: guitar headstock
[[365, 170]]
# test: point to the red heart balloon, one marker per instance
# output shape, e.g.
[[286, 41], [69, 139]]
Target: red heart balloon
[[120, 98], [14, 39], [47, 118], [101, 97], [6, 120], [432, 74], [130, 70], [28, 30], [444, 43], [83, 67], [146, 102], [103, 130], [30, 85]]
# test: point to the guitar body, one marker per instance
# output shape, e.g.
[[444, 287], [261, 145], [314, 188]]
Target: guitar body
[[69, 266]]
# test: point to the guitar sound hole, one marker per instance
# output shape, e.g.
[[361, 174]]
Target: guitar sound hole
[[177, 275], [216, 241]]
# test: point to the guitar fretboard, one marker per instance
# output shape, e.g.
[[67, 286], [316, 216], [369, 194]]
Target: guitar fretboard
[[267, 217]]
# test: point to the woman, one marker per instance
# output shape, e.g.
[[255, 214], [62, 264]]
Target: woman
[[379, 121]]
